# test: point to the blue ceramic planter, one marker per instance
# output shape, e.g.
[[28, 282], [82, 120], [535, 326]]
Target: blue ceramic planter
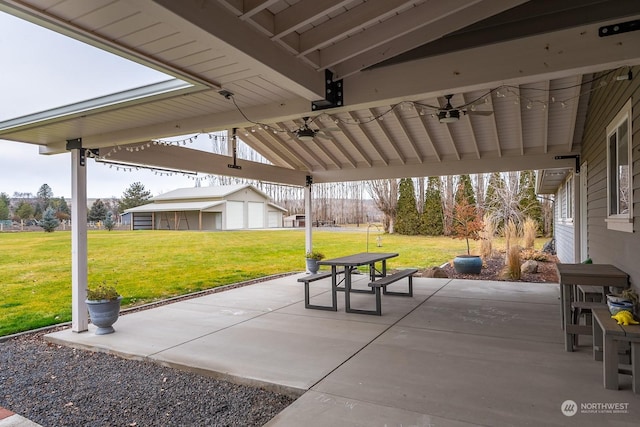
[[467, 264]]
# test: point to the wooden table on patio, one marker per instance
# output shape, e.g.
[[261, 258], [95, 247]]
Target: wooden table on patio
[[570, 275], [350, 263]]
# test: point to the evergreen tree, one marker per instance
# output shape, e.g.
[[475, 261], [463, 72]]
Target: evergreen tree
[[432, 220], [44, 195], [5, 206], [465, 190], [133, 196], [528, 203], [98, 211], [407, 218], [49, 221], [492, 200], [109, 223], [5, 198], [61, 207], [24, 210], [4, 210]]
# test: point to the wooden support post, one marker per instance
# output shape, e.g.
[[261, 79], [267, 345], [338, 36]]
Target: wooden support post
[[79, 313]]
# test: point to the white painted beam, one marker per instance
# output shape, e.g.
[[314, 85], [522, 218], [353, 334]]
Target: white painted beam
[[304, 13], [430, 29], [206, 123], [186, 159], [511, 162], [406, 134], [211, 20], [389, 137], [396, 26], [528, 60], [349, 22]]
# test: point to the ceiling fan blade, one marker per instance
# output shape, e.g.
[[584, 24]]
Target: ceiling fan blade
[[479, 112]]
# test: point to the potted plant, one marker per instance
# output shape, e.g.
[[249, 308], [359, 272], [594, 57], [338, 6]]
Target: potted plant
[[103, 302], [467, 225], [312, 261]]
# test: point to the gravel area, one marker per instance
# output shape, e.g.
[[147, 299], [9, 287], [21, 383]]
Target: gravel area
[[54, 385], [60, 386]]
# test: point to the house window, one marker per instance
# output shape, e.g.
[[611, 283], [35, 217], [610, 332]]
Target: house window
[[568, 201], [619, 172]]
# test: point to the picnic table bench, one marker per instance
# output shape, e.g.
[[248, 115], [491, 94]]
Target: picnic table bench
[[312, 278], [383, 282], [606, 336]]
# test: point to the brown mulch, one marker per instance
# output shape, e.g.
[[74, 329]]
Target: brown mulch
[[492, 270]]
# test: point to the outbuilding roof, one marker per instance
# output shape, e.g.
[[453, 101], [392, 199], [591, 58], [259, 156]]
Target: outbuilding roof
[[178, 206], [216, 191]]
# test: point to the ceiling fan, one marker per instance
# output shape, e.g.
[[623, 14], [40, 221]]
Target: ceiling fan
[[450, 114], [307, 133]]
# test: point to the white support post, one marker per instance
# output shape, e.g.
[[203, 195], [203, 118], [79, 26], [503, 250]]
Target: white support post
[[308, 221], [79, 314]]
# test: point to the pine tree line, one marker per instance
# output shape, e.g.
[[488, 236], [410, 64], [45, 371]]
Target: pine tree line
[[506, 197]]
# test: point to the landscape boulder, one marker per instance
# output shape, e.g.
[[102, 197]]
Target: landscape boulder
[[436, 272], [529, 266]]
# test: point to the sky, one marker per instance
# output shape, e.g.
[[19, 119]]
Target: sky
[[42, 69]]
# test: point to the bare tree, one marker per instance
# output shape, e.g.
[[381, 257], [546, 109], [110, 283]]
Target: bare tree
[[448, 203], [384, 192]]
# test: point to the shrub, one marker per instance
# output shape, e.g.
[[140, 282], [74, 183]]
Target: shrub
[[530, 229], [49, 221], [486, 235], [109, 223], [535, 255], [102, 292], [315, 255], [512, 265], [510, 235]]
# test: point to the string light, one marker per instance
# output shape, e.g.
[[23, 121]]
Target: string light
[[421, 108]]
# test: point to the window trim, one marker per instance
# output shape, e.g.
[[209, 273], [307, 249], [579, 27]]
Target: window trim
[[620, 222], [568, 190]]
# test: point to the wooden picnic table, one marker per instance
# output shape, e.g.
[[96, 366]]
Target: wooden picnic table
[[570, 275]]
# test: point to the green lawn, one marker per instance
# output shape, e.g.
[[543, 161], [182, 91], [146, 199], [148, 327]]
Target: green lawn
[[153, 265]]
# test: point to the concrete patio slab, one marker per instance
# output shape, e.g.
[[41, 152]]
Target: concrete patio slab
[[167, 327], [546, 293], [315, 409], [290, 351], [456, 354], [265, 296], [475, 379], [502, 318]]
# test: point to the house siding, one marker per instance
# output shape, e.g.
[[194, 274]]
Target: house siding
[[609, 246], [564, 229]]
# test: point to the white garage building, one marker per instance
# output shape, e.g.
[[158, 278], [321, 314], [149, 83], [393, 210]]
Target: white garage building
[[229, 207]]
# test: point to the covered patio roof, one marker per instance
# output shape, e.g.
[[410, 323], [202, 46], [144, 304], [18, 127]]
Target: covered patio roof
[[519, 73]]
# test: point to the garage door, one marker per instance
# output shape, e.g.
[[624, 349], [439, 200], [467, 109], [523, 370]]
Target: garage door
[[274, 219], [235, 215], [256, 215]]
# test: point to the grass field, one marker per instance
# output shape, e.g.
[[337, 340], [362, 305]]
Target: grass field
[[153, 265]]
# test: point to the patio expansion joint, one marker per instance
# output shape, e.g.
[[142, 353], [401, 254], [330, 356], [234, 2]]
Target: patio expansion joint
[[376, 337]]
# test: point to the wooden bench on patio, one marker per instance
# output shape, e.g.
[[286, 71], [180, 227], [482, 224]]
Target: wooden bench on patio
[[385, 281], [606, 336], [312, 278]]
